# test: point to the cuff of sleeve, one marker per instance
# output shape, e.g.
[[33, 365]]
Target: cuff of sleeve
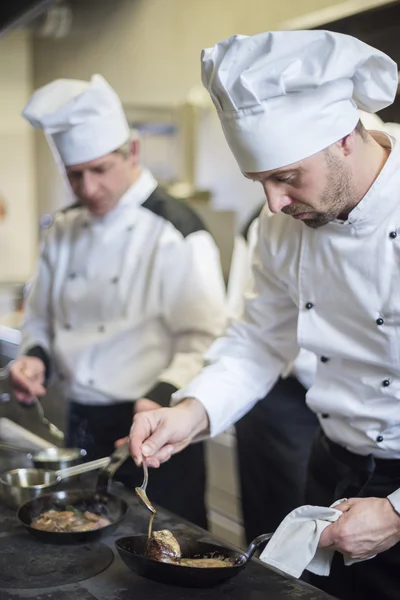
[[39, 352], [161, 393], [394, 500]]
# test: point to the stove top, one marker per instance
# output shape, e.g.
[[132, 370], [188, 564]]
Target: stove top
[[30, 568], [25, 564]]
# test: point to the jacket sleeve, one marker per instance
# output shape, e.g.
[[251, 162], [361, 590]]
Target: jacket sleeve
[[194, 310], [242, 366], [37, 329]]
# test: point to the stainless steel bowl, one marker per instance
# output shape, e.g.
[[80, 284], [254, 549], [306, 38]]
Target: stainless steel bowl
[[21, 485], [58, 458]]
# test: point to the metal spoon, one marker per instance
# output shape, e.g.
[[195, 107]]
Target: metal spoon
[[50, 426], [141, 491]]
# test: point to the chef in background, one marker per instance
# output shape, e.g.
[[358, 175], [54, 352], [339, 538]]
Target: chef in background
[[128, 292], [326, 278]]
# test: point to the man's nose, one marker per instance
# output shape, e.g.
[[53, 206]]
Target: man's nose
[[276, 199]]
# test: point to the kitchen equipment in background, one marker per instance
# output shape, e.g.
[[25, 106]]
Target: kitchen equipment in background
[[53, 429], [103, 503], [15, 434], [53, 458], [100, 502], [132, 550], [21, 485]]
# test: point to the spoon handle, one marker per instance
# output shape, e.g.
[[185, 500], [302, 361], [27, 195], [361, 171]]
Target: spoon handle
[[146, 476]]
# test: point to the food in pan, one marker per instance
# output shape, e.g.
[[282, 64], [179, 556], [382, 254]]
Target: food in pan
[[164, 547], [205, 563], [70, 520]]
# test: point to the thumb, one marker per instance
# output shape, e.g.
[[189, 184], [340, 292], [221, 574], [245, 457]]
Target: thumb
[[345, 505], [328, 536], [144, 404], [156, 441]]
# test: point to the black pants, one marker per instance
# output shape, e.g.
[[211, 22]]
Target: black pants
[[335, 473], [178, 485], [274, 441]]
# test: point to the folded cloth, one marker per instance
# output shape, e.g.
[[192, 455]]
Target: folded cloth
[[294, 546]]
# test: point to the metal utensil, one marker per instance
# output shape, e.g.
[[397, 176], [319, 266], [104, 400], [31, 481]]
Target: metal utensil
[[56, 458], [117, 458], [53, 458], [141, 491], [21, 485], [53, 429], [50, 426]]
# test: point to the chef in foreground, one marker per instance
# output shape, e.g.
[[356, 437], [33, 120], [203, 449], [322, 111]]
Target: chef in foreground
[[128, 293], [326, 278]]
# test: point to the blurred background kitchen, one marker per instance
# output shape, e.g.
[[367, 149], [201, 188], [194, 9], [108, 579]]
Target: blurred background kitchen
[[148, 50]]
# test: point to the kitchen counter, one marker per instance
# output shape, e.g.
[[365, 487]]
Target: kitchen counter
[[31, 569]]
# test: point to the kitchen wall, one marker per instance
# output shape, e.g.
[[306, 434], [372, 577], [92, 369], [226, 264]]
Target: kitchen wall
[[17, 178], [149, 51]]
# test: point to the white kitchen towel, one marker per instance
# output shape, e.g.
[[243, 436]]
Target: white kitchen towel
[[294, 546]]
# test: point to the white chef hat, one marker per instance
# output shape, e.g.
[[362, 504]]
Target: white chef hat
[[84, 120], [283, 96]]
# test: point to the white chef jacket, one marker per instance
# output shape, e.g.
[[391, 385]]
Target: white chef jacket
[[124, 301], [333, 291], [240, 280]]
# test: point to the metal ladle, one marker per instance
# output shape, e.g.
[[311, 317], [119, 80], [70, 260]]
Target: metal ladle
[[141, 491]]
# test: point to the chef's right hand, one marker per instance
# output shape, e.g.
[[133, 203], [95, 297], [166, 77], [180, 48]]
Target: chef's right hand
[[27, 375], [158, 434]]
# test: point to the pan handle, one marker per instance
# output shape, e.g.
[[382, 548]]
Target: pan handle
[[84, 468], [117, 458], [264, 537], [6, 446]]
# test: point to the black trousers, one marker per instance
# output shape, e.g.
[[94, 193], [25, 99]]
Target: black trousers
[[178, 485], [335, 473], [273, 442]]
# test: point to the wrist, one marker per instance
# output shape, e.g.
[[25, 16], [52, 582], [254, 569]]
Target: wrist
[[395, 516], [198, 413]]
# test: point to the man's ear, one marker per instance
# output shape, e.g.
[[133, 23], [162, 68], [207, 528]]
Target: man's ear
[[135, 147], [347, 144]]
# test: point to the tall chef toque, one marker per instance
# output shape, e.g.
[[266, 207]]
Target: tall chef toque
[[283, 96], [84, 120]]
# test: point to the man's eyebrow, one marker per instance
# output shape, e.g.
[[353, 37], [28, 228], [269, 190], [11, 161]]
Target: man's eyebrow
[[278, 172]]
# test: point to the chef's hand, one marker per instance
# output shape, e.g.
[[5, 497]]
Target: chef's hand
[[141, 405], [27, 375], [158, 434], [367, 527], [144, 404]]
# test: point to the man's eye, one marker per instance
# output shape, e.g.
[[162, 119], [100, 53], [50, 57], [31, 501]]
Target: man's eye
[[289, 179], [74, 176]]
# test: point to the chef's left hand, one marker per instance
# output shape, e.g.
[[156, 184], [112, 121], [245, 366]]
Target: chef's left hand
[[139, 406], [145, 404], [367, 527]]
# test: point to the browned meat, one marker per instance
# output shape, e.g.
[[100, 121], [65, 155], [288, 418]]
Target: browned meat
[[69, 521], [163, 546]]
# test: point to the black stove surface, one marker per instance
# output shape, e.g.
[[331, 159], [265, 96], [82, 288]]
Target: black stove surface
[[25, 564], [30, 568]]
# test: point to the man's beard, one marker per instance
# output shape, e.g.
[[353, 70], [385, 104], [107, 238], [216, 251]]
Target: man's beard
[[339, 196]]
